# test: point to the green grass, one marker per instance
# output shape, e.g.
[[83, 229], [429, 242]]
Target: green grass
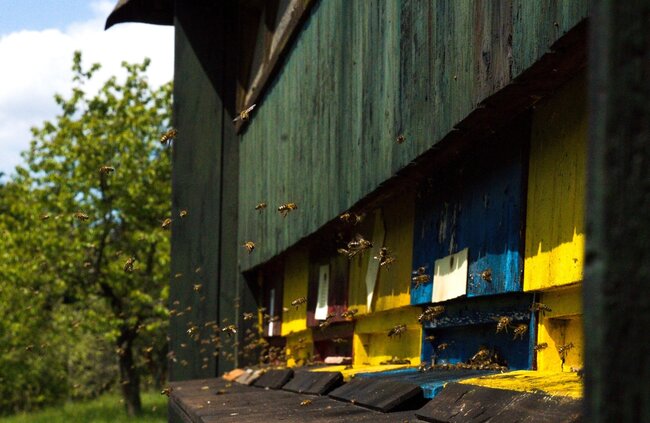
[[105, 409]]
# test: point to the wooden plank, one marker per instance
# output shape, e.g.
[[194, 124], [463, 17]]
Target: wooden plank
[[468, 403], [274, 379], [380, 394], [344, 70], [476, 203], [617, 261], [314, 383]]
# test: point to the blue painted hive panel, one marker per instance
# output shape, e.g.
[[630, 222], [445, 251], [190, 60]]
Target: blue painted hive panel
[[478, 206], [470, 323]]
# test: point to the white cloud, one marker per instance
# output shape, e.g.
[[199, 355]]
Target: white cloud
[[37, 64]]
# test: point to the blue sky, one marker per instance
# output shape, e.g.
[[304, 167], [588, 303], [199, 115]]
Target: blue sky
[[42, 14], [37, 42]]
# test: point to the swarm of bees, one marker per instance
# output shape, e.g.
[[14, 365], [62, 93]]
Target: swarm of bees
[[298, 301], [168, 136], [249, 246], [384, 257], [431, 313], [397, 330], [244, 115], [284, 209], [420, 277]]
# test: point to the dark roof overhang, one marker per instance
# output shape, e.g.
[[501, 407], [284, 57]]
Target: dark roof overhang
[[158, 12]]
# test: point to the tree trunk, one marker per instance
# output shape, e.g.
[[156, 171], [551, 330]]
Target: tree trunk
[[130, 380]]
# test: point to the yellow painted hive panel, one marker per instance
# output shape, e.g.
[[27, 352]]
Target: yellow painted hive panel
[[296, 278], [554, 252]]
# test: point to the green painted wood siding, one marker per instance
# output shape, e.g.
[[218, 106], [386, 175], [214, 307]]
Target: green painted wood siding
[[360, 74]]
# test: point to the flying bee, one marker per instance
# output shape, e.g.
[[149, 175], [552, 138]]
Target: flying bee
[[540, 307], [193, 330], [520, 331], [352, 218], [384, 257], [305, 402], [541, 346], [349, 314], [183, 213], [400, 139], [339, 340], [128, 265], [105, 170], [443, 346], [324, 324], [430, 338], [197, 287], [44, 216], [166, 224], [431, 313], [169, 135], [330, 316], [249, 245], [397, 330], [248, 316], [420, 279], [80, 216], [486, 275], [300, 300], [244, 115], [284, 209], [166, 390], [564, 349], [422, 367], [503, 323], [178, 275], [260, 207], [230, 330], [285, 309]]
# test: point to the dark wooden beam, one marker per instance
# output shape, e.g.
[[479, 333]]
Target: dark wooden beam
[[617, 262]]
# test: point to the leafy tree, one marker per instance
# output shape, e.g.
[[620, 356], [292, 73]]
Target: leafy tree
[[87, 216]]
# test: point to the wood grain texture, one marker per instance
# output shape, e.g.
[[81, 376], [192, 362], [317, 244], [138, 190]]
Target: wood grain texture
[[555, 232], [476, 204], [359, 75], [617, 258]]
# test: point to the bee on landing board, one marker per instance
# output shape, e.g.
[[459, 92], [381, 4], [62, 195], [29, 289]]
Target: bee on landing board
[[298, 301], [397, 330]]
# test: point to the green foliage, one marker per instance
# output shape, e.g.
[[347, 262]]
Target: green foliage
[[105, 409], [66, 300]]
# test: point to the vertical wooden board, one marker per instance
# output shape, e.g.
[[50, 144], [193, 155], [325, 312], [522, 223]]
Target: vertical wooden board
[[556, 190], [478, 207], [359, 74], [296, 279], [392, 290], [195, 246], [561, 326]]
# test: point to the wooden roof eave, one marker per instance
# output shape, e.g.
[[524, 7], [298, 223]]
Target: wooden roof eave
[[157, 12]]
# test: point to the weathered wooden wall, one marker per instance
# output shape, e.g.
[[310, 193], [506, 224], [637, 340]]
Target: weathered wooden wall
[[359, 75]]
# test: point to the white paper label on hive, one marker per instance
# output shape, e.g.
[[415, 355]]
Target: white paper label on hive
[[323, 290], [450, 277], [271, 310]]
